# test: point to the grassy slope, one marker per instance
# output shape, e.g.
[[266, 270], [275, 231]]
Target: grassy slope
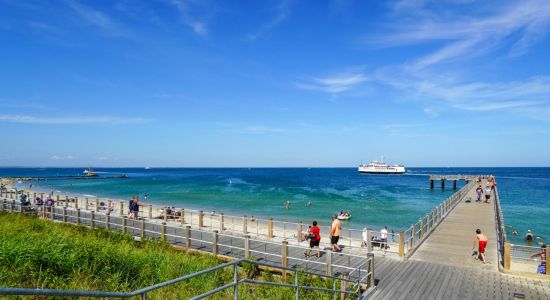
[[41, 254]]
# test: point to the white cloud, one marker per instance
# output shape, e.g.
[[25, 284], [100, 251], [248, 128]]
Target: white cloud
[[282, 12], [72, 120], [184, 8], [92, 16], [103, 158], [523, 22], [60, 157], [334, 84]]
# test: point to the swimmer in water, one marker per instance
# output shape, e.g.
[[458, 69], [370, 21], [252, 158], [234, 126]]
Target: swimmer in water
[[287, 204], [529, 235], [515, 232], [309, 203]]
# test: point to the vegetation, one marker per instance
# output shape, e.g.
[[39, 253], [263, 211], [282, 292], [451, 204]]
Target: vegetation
[[38, 253]]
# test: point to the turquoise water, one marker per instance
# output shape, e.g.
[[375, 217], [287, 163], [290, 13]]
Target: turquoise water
[[373, 200]]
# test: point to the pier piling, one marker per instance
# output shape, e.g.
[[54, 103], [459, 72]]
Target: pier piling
[[442, 183]]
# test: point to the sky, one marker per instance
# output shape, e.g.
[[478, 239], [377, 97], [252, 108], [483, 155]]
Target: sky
[[203, 83]]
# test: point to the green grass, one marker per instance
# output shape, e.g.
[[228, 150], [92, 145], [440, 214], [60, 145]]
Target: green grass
[[36, 253]]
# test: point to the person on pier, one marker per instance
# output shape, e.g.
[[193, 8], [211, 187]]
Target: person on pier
[[481, 241], [314, 235]]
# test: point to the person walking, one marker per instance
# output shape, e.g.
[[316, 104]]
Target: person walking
[[481, 241], [479, 191], [314, 235], [384, 238], [335, 231], [487, 195]]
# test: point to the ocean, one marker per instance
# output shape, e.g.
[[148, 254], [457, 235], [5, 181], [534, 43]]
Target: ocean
[[373, 200]]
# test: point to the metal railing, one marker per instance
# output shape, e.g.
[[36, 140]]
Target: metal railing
[[224, 244], [352, 240], [348, 287], [500, 227]]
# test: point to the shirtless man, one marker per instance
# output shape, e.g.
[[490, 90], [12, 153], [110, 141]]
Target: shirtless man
[[481, 241], [335, 233]]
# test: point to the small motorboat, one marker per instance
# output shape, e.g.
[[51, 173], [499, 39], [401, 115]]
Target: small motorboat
[[346, 215]]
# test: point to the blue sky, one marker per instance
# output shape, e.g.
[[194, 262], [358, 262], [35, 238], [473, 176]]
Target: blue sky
[[274, 83]]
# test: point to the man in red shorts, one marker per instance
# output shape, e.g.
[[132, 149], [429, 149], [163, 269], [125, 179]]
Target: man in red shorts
[[481, 241]]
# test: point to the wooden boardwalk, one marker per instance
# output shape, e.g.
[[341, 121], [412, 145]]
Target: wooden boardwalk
[[443, 267]]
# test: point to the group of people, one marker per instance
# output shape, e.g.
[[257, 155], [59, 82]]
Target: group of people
[[314, 236], [489, 187], [133, 208]]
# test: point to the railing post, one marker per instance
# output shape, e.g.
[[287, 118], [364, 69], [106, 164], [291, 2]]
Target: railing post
[[328, 262], [215, 243], [150, 211], [78, 216], [343, 286], [427, 223], [142, 229], [163, 231], [121, 208], [75, 202], [92, 218], [96, 205], [64, 214], [420, 228], [86, 203], [284, 258], [369, 240], [124, 224], [201, 219], [66, 201], [371, 269], [221, 222], [270, 228], [547, 260], [507, 248], [165, 214], [52, 211], [182, 216], [401, 244], [235, 280], [412, 235], [108, 220], [299, 232], [246, 246], [188, 236], [245, 226], [297, 285]]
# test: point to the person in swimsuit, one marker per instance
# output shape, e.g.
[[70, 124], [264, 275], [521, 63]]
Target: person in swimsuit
[[481, 241], [335, 230], [541, 269]]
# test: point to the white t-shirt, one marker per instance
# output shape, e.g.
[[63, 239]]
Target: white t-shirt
[[488, 192], [384, 233]]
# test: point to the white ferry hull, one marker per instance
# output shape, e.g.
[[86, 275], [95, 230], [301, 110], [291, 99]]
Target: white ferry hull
[[388, 170]]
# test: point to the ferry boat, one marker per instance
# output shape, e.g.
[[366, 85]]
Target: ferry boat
[[379, 167]]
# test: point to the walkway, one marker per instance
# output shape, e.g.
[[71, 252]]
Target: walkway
[[443, 268]]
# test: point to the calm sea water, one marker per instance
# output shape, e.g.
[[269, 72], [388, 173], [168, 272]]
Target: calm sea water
[[374, 200]]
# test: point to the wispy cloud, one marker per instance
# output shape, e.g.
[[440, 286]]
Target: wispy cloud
[[96, 18], [21, 105], [72, 120], [282, 12], [61, 157], [334, 84], [523, 22], [184, 8]]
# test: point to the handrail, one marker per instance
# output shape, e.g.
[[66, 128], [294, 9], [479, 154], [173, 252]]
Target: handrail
[[144, 291]]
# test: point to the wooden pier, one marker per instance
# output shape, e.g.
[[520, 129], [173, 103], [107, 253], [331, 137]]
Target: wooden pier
[[453, 178], [443, 266]]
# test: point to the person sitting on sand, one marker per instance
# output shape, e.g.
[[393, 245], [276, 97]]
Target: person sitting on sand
[[481, 241], [541, 269]]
